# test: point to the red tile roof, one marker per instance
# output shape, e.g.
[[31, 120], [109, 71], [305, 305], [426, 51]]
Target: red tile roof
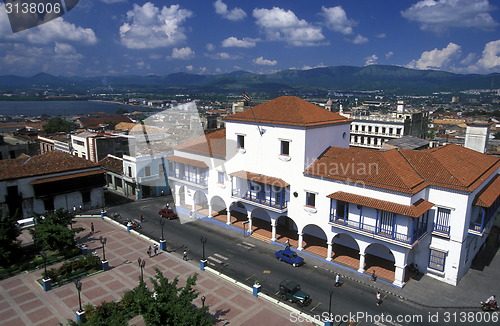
[[260, 178], [407, 171], [47, 163], [415, 210], [289, 110], [67, 176], [212, 144], [112, 164], [187, 161], [489, 193]]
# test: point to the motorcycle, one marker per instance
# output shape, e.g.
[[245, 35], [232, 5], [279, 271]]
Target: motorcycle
[[490, 306], [133, 224]]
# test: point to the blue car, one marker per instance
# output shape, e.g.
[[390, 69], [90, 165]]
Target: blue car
[[289, 256]]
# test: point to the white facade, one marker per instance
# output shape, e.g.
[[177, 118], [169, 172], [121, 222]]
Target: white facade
[[477, 136], [428, 227]]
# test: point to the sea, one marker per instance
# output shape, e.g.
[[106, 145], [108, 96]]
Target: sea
[[58, 108]]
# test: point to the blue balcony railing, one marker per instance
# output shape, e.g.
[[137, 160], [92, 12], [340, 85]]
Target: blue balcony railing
[[400, 237], [445, 229], [196, 178], [260, 198]]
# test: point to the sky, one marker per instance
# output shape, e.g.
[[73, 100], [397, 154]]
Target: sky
[[128, 37]]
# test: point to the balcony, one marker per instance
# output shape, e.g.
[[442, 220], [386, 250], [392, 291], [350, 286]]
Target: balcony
[[439, 229], [192, 179], [377, 232], [263, 200]]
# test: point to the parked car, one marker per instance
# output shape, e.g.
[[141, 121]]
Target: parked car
[[289, 256], [167, 213], [290, 291]]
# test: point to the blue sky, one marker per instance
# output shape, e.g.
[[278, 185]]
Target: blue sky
[[117, 37]]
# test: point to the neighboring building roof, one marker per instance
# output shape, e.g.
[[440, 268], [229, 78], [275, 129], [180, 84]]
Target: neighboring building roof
[[415, 210], [489, 194], [260, 178], [112, 164], [67, 177], [289, 110], [46, 163], [212, 144], [187, 161], [408, 142], [407, 171], [103, 120]]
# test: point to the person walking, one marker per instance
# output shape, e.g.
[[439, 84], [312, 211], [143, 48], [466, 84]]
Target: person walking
[[141, 218], [155, 248], [337, 280], [379, 298], [185, 255], [374, 276], [91, 228], [287, 244], [149, 251]]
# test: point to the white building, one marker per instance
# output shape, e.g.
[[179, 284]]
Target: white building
[[94, 146], [285, 168], [49, 181]]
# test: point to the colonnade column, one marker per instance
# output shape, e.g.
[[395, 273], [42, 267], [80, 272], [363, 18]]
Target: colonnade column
[[301, 240], [361, 268], [329, 255], [273, 226]]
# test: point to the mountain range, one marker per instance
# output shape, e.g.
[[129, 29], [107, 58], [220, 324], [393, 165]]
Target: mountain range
[[393, 79]]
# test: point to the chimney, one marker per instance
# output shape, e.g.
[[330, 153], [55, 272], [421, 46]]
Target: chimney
[[477, 136]]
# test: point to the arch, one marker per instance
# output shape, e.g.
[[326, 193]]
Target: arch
[[314, 239], [200, 203], [218, 206], [381, 259], [345, 250], [261, 214], [287, 223], [182, 196]]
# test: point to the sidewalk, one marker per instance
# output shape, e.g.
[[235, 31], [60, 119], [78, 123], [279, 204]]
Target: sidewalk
[[23, 301]]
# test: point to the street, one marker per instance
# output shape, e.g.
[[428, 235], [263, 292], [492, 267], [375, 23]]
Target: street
[[247, 260]]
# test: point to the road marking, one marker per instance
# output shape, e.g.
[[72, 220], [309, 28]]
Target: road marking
[[249, 277], [249, 244], [266, 272], [215, 259], [221, 257], [246, 245], [316, 306]]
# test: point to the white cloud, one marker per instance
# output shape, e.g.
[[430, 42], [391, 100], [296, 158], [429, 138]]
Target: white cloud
[[265, 62], [441, 15], [182, 53], [381, 35], [283, 25], [233, 14], [468, 59], [436, 59], [223, 56], [336, 19], [203, 69], [189, 68], [210, 47], [234, 42], [148, 27], [112, 1], [389, 54], [371, 60], [359, 39], [491, 56]]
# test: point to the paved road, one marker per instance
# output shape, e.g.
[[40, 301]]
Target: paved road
[[247, 259]]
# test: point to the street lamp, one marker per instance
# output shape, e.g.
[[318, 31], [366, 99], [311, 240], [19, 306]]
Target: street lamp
[[142, 263], [103, 242], [330, 319], [78, 285], [203, 241], [162, 223], [44, 257]]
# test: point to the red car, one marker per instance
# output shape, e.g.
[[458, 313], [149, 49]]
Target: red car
[[167, 213]]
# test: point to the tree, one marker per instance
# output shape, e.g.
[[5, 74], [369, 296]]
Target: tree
[[9, 245], [58, 125], [51, 231]]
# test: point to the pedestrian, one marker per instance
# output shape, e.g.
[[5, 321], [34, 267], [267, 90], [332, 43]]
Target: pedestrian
[[167, 205], [91, 227], [149, 251], [287, 244], [185, 255], [141, 218], [379, 298], [155, 248], [374, 276], [337, 280]]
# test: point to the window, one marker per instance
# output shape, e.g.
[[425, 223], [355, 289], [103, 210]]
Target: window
[[241, 141], [386, 222], [160, 168], [342, 209], [441, 223], [310, 199], [129, 171], [437, 260], [285, 147], [376, 129], [171, 166], [86, 197], [220, 177], [48, 204], [147, 171]]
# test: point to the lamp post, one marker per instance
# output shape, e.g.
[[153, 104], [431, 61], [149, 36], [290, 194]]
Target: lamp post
[[104, 262], [142, 263], [203, 261], [80, 314], [163, 243], [46, 281], [329, 322]]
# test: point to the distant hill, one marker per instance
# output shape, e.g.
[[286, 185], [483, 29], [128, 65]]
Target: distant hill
[[375, 77]]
